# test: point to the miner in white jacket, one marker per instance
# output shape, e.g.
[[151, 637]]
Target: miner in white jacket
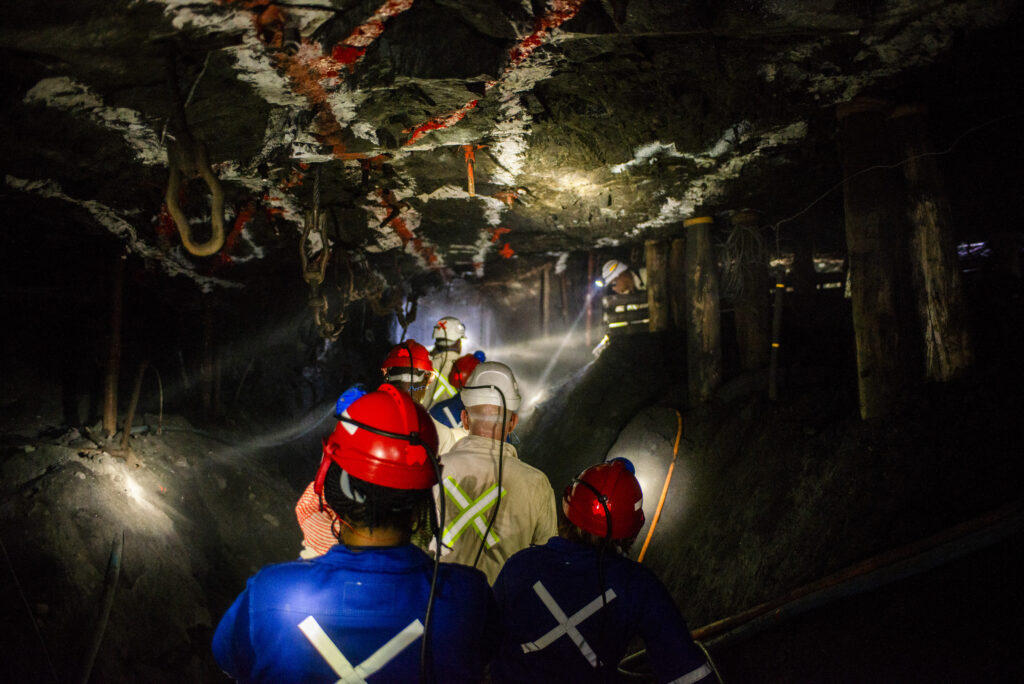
[[495, 505]]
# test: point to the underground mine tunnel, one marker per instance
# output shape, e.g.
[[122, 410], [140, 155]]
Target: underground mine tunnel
[[220, 215]]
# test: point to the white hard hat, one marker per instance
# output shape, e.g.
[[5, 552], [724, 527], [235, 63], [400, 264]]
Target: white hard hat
[[488, 382], [611, 270], [449, 329]]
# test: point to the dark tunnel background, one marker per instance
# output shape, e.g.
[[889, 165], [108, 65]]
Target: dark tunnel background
[[766, 497]]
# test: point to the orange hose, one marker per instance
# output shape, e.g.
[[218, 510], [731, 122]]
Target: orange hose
[[664, 488]]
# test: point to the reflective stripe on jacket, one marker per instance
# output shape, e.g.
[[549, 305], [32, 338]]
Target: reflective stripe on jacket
[[315, 621], [561, 623], [526, 513]]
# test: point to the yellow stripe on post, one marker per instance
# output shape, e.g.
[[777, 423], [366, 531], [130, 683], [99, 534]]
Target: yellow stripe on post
[[697, 221]]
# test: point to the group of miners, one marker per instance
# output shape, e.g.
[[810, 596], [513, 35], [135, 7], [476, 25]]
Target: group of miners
[[432, 552]]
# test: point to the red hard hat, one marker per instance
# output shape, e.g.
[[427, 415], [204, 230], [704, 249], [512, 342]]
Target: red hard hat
[[461, 369], [608, 489], [408, 353], [399, 459]]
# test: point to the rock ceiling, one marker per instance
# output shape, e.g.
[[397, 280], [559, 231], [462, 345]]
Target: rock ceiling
[[436, 135]]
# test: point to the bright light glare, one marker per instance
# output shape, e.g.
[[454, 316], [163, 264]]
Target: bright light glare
[[134, 490], [599, 283]]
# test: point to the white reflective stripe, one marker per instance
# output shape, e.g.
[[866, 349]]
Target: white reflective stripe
[[442, 386], [694, 675], [567, 625], [349, 427], [470, 512], [451, 418], [339, 663], [462, 502], [392, 648], [325, 647]]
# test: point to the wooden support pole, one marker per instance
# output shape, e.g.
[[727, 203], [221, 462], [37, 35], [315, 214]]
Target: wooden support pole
[[545, 300], [656, 258], [773, 367], [935, 269], [113, 370], [563, 283], [873, 228], [677, 282], [129, 418], [703, 329], [751, 300]]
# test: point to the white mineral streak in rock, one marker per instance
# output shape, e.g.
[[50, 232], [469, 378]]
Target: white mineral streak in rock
[[66, 94], [278, 132], [110, 220], [445, 192], [648, 154], [364, 131], [893, 46], [493, 209], [509, 135], [563, 260], [713, 184], [483, 245], [254, 66], [277, 198]]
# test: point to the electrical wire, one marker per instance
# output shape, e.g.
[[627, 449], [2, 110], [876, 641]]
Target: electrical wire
[[501, 464], [664, 488]]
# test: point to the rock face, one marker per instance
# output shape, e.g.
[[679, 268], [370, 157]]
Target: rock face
[[446, 134]]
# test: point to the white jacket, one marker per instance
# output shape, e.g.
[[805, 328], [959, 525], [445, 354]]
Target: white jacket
[[442, 362], [525, 516]]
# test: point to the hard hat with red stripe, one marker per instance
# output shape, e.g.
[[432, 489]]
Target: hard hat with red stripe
[[408, 354], [606, 500], [449, 329], [462, 368], [384, 438]]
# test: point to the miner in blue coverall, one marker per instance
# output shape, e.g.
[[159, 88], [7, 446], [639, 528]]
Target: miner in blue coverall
[[358, 612], [569, 608]]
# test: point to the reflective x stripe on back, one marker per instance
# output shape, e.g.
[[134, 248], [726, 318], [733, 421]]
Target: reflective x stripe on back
[[340, 664], [451, 419], [470, 512], [443, 386], [567, 625]]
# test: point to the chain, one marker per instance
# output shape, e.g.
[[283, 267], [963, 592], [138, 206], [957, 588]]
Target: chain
[[314, 271]]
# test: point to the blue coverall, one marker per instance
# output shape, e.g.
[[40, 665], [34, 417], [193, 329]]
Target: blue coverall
[[293, 618], [453, 416], [565, 619]]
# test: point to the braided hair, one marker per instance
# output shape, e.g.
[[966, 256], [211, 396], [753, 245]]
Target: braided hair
[[373, 506]]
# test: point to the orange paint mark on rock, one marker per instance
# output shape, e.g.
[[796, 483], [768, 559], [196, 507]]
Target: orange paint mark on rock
[[508, 196], [439, 122], [507, 251], [311, 72], [560, 12], [497, 232]]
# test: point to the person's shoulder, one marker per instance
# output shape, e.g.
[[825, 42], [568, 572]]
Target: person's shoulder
[[525, 560], [532, 472], [273, 578]]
